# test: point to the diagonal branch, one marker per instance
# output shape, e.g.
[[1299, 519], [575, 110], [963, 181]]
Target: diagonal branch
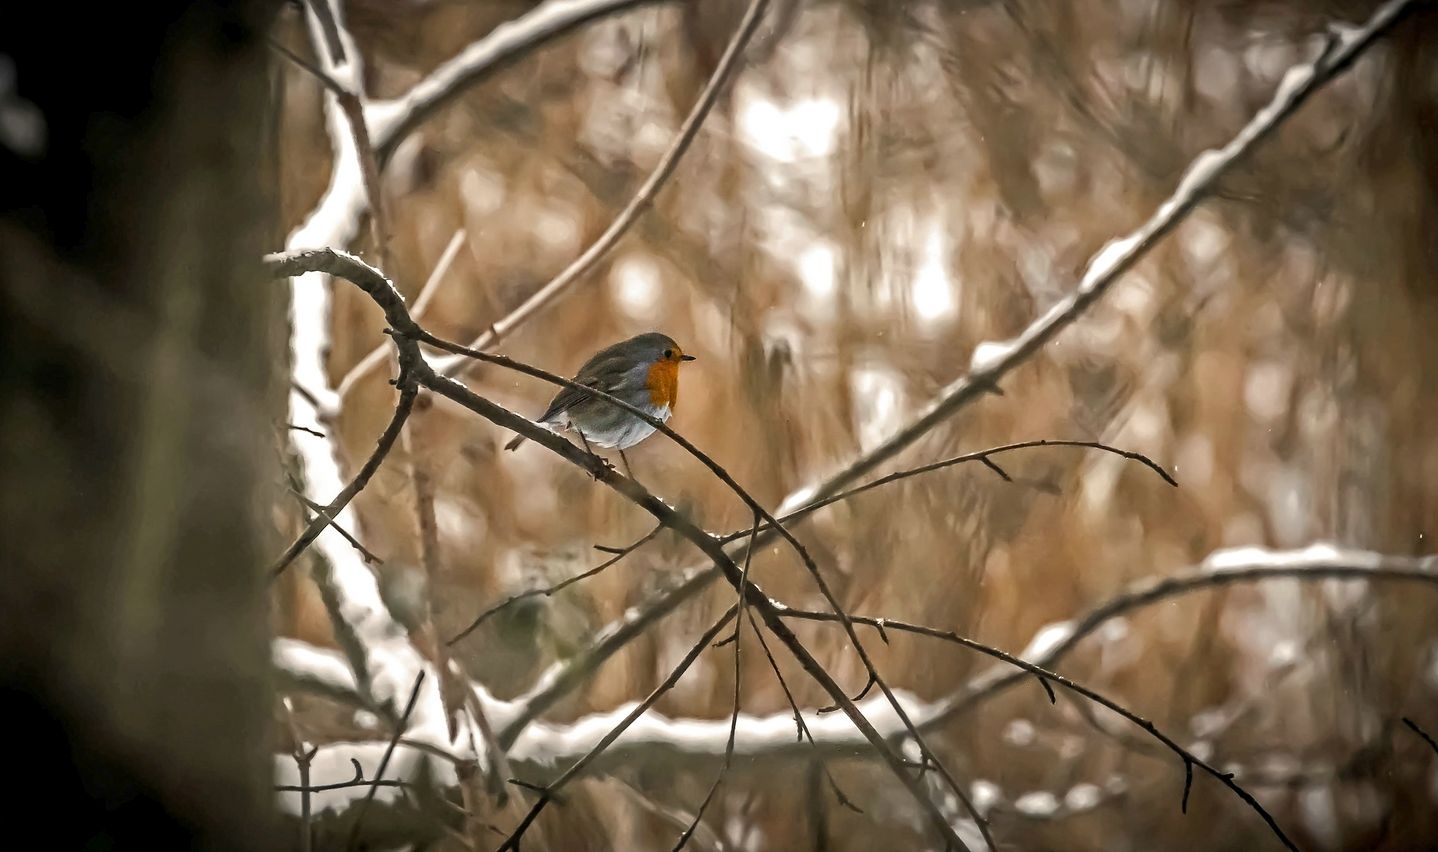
[[1190, 760], [993, 361], [394, 120], [553, 787], [326, 515], [1221, 568], [723, 72]]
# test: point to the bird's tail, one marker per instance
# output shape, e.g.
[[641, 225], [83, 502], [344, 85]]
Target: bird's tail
[[514, 445]]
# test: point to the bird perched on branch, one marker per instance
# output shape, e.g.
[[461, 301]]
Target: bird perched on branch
[[643, 371]]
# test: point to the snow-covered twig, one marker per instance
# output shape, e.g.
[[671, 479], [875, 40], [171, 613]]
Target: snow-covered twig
[[392, 121]]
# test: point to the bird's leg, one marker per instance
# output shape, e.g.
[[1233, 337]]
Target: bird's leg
[[588, 449], [627, 469]]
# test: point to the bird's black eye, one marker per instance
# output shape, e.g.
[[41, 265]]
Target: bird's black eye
[[668, 353]]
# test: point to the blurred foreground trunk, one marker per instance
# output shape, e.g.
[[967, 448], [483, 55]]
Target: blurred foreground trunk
[[135, 417]]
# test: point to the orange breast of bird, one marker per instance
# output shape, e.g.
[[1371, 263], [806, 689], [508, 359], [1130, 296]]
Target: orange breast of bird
[[663, 383]]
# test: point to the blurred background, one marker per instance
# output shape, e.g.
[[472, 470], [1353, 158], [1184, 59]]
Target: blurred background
[[886, 186]]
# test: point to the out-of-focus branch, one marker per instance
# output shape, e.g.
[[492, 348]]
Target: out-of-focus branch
[[396, 119], [1222, 568], [993, 361], [399, 729], [349, 96], [547, 591], [723, 72]]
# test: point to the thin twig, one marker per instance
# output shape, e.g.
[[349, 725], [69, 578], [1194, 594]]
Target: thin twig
[[323, 513], [550, 590], [358, 781], [1327, 564], [323, 76], [803, 727], [384, 761], [361, 479], [549, 790], [378, 355], [317, 433], [733, 716], [723, 72], [1413, 726], [1189, 759]]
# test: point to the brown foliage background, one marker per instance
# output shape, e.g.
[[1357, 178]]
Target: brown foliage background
[[1274, 353]]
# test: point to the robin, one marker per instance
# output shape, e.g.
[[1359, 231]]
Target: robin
[[643, 371]]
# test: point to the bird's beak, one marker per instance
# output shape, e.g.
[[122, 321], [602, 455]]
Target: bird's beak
[[687, 358]]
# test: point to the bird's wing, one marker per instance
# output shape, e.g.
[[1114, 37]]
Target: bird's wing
[[605, 372]]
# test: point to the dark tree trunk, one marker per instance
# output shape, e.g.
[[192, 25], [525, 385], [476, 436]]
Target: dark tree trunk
[[137, 409]]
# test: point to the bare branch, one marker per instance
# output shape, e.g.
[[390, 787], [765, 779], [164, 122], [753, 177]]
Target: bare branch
[[733, 716], [550, 590], [1190, 760], [1413, 726], [1222, 568], [550, 789], [327, 514], [384, 762], [723, 72], [320, 511], [394, 120]]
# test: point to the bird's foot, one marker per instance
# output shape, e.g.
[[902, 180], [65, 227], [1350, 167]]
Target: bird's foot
[[599, 466]]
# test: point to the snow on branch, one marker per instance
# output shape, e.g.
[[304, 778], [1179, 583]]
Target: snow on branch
[[1316, 562], [391, 121]]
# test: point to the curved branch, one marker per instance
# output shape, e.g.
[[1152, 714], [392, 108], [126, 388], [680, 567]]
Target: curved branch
[[394, 120], [1222, 568], [723, 72], [1046, 676]]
